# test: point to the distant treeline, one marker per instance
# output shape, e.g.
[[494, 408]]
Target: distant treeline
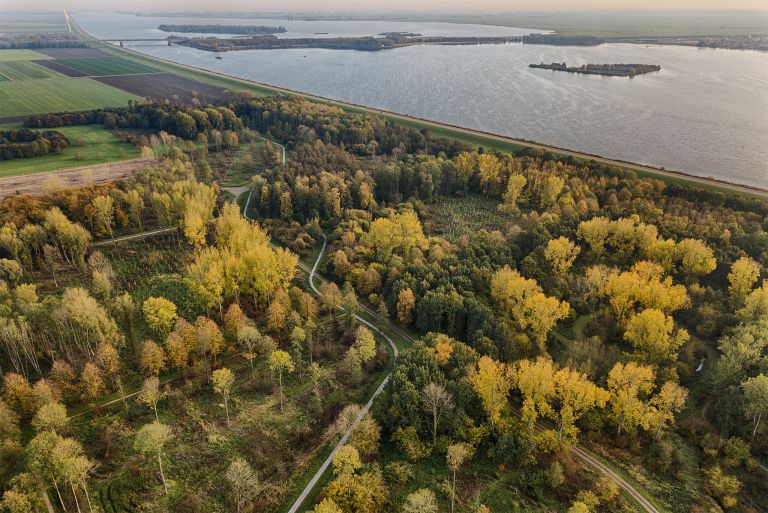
[[24, 144], [42, 40], [223, 29], [558, 40]]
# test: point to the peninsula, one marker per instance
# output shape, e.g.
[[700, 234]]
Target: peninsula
[[611, 70]]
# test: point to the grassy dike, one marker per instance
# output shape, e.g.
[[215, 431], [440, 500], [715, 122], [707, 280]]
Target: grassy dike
[[473, 137]]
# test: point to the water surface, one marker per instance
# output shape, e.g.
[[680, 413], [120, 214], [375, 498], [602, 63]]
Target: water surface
[[705, 112]]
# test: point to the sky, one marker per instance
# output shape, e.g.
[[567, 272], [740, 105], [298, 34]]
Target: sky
[[436, 6]]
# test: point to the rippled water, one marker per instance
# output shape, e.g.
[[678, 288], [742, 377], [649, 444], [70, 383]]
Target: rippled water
[[705, 112]]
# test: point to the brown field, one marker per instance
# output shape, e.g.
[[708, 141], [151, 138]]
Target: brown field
[[35, 184], [72, 53], [166, 86], [61, 68]]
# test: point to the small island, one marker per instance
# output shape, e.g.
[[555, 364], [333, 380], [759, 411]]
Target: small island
[[611, 70], [223, 29]]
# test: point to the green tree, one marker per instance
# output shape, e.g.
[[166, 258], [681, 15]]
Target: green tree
[[456, 456], [755, 399]]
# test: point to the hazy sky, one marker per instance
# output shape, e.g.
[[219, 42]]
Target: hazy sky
[[357, 5]]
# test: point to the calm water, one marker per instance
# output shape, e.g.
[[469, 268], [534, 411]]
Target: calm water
[[705, 113]]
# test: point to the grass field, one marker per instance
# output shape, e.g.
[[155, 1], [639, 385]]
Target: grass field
[[20, 55], [23, 97], [89, 144], [25, 70], [107, 66]]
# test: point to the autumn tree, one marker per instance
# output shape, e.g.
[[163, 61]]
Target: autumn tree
[[152, 359], [103, 214], [151, 440], [742, 278], [50, 417], [535, 380], [243, 482], [653, 336], [491, 382], [522, 300], [280, 362], [436, 400], [91, 382], [223, 379], [160, 314], [629, 385], [422, 500], [755, 304], [561, 253], [668, 401], [406, 303], [574, 396], [150, 394], [755, 391], [511, 196], [456, 455]]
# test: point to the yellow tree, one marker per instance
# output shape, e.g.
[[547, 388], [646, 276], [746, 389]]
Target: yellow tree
[[515, 186], [491, 382], [406, 303], [489, 169], [535, 380], [152, 359], [223, 379], [160, 314], [91, 382], [103, 213], [541, 314], [629, 385], [595, 233], [756, 304], [669, 400], [744, 273], [574, 396], [653, 336], [561, 253], [696, 258], [280, 362], [205, 277]]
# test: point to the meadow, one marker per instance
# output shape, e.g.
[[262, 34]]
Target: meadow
[[89, 145], [21, 55]]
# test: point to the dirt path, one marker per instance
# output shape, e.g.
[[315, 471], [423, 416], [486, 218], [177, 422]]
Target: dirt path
[[75, 177]]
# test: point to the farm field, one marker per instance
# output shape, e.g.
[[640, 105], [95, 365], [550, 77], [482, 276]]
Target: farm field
[[106, 66], [89, 145], [166, 86], [13, 23], [21, 55], [26, 97], [25, 70]]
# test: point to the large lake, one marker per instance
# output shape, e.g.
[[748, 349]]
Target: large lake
[[705, 112]]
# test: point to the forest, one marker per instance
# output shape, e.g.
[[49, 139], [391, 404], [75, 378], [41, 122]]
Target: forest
[[162, 348]]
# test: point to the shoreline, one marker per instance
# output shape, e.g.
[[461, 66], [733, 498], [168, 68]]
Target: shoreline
[[670, 175]]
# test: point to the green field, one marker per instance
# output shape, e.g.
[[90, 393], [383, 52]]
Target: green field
[[89, 144], [106, 66], [18, 23], [21, 55], [25, 70], [26, 97]]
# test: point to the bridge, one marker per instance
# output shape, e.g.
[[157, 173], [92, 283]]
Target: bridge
[[170, 40]]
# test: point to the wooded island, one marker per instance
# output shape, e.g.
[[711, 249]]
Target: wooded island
[[223, 29], [611, 70]]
